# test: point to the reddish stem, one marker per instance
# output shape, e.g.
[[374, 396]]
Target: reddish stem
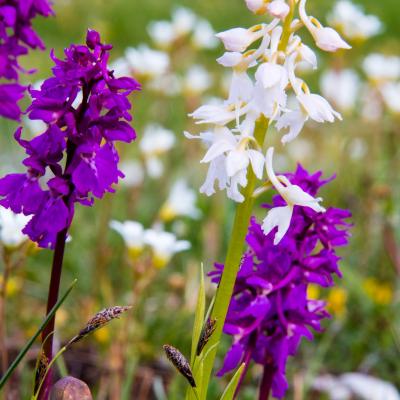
[[52, 299], [266, 382]]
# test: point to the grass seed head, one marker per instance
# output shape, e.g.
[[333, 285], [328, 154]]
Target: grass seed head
[[206, 333], [101, 319], [180, 363]]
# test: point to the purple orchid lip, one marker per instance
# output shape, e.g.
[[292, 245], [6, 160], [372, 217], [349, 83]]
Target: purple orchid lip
[[269, 312], [16, 38], [86, 110]]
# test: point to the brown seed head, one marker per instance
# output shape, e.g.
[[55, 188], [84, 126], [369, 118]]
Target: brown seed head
[[41, 368], [180, 363], [206, 333], [101, 319]]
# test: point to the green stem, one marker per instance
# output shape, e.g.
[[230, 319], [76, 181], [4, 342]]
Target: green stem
[[233, 258], [286, 28]]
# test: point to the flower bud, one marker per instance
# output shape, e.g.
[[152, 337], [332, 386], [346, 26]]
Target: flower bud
[[237, 39], [278, 9], [256, 6], [329, 40]]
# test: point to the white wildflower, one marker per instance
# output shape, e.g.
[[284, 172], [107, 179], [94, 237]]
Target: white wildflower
[[350, 19], [156, 141], [134, 173], [181, 202], [197, 80], [164, 245], [11, 226], [132, 233], [147, 62], [342, 87]]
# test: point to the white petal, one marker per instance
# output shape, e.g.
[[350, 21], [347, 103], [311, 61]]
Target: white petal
[[329, 40], [318, 108], [270, 74], [216, 172], [236, 161], [237, 181], [238, 39], [256, 6], [295, 195], [278, 217], [241, 88], [294, 121], [308, 55], [230, 59], [257, 160], [217, 149], [278, 9], [270, 170]]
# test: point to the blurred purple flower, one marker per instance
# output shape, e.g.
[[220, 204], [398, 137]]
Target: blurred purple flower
[[86, 109], [269, 311], [16, 37]]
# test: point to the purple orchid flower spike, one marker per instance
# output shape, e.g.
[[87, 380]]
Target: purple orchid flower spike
[[269, 311], [17, 36], [86, 110]]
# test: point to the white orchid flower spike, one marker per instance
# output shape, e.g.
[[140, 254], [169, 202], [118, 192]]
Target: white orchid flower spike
[[293, 195]]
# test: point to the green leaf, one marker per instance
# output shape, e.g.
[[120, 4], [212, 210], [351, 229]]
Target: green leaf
[[199, 316], [204, 360], [230, 390], [22, 353]]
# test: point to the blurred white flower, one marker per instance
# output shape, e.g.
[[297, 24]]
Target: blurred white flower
[[164, 246], [132, 233], [168, 84], [156, 140], [134, 173], [346, 386], [121, 67], [197, 80], [11, 226], [183, 21], [147, 62], [162, 33], [391, 95], [341, 87], [204, 35], [379, 67], [293, 195], [181, 202], [35, 126], [352, 22]]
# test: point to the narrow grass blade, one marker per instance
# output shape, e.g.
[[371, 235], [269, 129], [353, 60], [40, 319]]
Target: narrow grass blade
[[199, 316], [230, 390], [22, 353], [204, 360]]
